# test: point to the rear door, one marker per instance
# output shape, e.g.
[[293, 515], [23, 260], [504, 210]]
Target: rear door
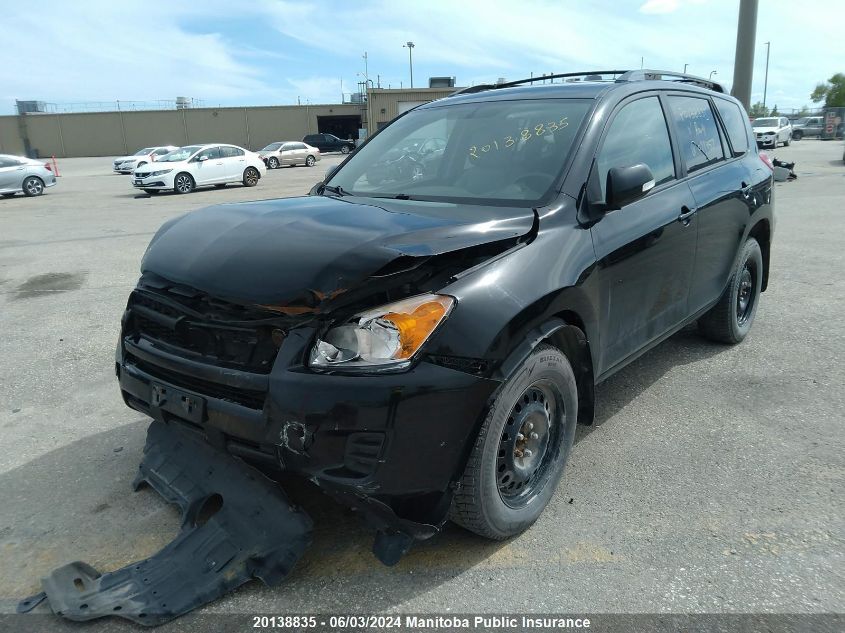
[[720, 183], [646, 250], [234, 162]]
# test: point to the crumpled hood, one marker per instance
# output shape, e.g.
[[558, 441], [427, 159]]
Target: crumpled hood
[[280, 251]]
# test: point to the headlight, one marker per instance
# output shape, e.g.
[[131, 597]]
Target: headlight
[[384, 338], [161, 172]]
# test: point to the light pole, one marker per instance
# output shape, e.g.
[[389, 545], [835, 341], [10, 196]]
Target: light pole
[[766, 79], [685, 68], [410, 47], [712, 72]]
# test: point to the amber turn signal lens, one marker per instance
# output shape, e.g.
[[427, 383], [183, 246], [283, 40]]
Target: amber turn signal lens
[[417, 322]]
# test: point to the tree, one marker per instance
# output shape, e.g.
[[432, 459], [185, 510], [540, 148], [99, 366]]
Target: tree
[[758, 110], [774, 111], [831, 92], [804, 111]]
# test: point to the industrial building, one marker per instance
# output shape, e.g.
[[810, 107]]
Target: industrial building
[[37, 133]]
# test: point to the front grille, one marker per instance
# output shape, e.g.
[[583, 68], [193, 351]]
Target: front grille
[[204, 330]]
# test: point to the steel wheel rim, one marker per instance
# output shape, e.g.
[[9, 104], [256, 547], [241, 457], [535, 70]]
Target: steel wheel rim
[[33, 186], [344, 150], [745, 295], [183, 184], [528, 443], [251, 177]]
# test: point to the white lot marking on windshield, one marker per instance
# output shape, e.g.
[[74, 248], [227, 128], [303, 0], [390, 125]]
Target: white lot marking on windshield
[[541, 129]]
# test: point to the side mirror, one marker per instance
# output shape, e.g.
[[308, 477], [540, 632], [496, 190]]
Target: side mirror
[[626, 184], [202, 158]]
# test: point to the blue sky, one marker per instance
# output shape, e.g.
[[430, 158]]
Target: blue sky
[[276, 51]]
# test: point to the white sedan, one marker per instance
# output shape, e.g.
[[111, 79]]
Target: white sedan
[[291, 153], [192, 166], [128, 164]]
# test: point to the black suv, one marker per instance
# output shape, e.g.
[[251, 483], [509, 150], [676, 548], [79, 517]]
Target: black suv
[[329, 143], [422, 346]]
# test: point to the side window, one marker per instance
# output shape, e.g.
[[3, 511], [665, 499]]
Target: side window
[[698, 135], [298, 146], [211, 153], [638, 134], [286, 147], [735, 123], [161, 151], [6, 162], [227, 151]]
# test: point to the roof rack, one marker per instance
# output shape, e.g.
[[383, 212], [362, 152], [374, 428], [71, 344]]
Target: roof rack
[[617, 76]]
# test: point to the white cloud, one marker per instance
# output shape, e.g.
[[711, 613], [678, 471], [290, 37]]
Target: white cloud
[[660, 6]]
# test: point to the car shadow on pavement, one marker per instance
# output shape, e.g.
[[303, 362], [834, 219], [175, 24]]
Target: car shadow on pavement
[[615, 393]]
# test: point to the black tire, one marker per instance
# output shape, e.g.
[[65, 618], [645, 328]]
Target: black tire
[[345, 149], [33, 186], [152, 192], [797, 135], [273, 162], [251, 177], [310, 161], [786, 142], [730, 320], [184, 183], [500, 494]]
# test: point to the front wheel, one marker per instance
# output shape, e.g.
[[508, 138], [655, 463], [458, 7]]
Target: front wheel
[[521, 449], [344, 149], [310, 161], [729, 321], [251, 177], [786, 142], [183, 183], [273, 163], [33, 186], [797, 136]]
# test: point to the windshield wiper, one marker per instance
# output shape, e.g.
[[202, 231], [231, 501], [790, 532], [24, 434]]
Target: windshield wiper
[[338, 191]]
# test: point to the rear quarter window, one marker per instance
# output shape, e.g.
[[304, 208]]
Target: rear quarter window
[[736, 125]]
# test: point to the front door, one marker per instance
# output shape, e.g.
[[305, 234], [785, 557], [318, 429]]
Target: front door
[[646, 249], [209, 166]]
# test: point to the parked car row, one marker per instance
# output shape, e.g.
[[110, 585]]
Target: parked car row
[[290, 153], [19, 174]]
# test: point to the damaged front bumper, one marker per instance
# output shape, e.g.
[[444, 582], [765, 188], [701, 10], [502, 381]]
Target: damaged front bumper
[[391, 445], [236, 525]]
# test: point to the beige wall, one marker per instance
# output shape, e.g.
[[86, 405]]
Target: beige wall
[[383, 103], [118, 133]]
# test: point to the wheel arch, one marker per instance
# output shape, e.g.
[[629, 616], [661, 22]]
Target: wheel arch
[[762, 232], [566, 331]]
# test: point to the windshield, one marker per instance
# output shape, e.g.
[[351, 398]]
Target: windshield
[[143, 152], [183, 153], [272, 147], [509, 151], [765, 123]]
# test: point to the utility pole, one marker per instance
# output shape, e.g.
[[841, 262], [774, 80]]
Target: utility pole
[[366, 71], [410, 47], [766, 79], [712, 72], [685, 68], [746, 33]]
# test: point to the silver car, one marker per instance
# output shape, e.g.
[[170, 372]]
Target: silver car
[[292, 153], [128, 164], [20, 174]]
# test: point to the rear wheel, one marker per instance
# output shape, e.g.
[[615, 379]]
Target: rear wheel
[[521, 449], [183, 183], [730, 320], [273, 163], [251, 177], [310, 161], [33, 186]]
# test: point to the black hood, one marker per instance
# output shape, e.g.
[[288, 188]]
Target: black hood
[[278, 251]]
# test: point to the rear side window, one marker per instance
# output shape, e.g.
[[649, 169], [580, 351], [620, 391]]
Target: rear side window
[[227, 151], [638, 134], [698, 135], [735, 123]]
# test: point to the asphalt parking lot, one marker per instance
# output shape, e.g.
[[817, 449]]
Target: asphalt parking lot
[[708, 484]]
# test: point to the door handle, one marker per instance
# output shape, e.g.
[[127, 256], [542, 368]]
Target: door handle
[[686, 214]]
